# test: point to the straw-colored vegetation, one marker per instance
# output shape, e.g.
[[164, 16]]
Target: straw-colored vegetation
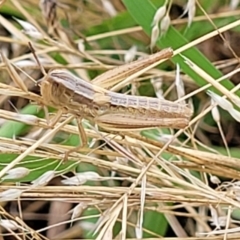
[[151, 184]]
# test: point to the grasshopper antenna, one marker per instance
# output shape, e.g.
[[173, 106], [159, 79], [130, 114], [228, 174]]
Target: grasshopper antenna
[[37, 60]]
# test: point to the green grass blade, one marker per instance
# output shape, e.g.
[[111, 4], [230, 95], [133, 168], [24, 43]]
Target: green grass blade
[[143, 11]]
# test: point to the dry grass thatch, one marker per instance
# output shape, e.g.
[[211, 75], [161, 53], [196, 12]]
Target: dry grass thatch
[[131, 176]]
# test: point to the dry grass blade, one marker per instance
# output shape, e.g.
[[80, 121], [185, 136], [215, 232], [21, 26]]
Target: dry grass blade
[[12, 72], [33, 147]]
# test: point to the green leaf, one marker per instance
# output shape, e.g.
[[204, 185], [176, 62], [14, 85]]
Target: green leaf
[[12, 128], [143, 11], [154, 222]]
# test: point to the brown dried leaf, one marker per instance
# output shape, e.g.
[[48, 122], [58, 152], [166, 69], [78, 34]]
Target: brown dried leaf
[[49, 11]]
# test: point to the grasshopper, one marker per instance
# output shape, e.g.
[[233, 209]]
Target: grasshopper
[[110, 110]]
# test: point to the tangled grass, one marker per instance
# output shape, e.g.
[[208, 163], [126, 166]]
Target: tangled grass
[[151, 184]]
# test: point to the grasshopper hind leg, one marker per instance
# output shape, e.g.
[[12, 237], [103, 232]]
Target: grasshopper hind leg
[[83, 137]]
